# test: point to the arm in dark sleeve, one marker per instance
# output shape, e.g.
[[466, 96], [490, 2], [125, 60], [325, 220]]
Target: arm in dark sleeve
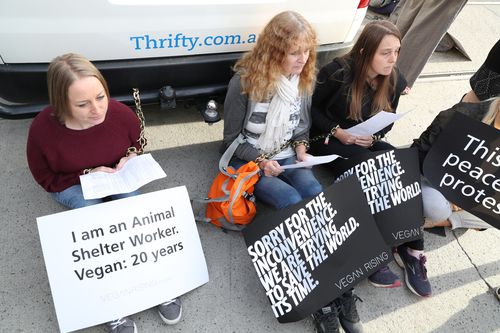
[[429, 136], [43, 174], [235, 109], [326, 86]]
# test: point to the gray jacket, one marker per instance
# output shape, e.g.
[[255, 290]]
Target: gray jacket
[[237, 111]]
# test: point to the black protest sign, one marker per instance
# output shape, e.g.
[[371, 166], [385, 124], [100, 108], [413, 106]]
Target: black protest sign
[[310, 253], [463, 165], [391, 183]]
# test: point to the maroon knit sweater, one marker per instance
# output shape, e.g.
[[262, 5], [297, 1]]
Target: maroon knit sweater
[[58, 155]]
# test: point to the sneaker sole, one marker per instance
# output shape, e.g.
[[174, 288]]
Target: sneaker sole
[[171, 322], [400, 263], [394, 285]]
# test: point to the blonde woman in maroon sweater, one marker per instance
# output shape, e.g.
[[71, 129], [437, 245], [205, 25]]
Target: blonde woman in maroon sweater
[[83, 131]]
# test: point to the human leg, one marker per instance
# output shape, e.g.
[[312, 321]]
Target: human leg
[[404, 14], [72, 198], [272, 190], [302, 179], [276, 192], [422, 24], [125, 195], [381, 145], [436, 207]]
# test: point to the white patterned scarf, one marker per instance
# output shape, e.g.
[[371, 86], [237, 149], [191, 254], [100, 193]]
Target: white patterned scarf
[[278, 114]]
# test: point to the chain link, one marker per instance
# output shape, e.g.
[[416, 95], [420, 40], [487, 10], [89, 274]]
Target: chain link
[[143, 141], [267, 156]]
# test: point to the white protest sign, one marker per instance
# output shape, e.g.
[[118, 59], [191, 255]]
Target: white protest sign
[[120, 257]]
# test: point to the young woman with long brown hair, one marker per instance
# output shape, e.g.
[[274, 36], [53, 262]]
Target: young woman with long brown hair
[[350, 90]]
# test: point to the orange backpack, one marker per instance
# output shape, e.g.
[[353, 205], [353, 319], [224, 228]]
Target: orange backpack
[[231, 203]]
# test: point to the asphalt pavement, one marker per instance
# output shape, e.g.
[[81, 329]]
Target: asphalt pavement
[[463, 266]]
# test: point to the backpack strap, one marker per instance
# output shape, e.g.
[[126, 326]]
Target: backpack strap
[[228, 154]]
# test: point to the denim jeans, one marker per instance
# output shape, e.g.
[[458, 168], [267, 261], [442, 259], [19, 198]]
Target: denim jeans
[[290, 187], [72, 197]]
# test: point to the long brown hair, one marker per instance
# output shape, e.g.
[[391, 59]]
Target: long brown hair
[[62, 72], [361, 57], [261, 67], [494, 109]]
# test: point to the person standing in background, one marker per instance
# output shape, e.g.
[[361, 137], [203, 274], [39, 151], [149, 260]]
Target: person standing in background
[[422, 24]]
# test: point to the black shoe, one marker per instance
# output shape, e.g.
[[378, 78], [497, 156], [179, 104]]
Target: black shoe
[[348, 314], [326, 319]]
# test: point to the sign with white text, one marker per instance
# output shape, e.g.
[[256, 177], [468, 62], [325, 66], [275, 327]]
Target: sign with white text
[[308, 254], [391, 183], [463, 164], [120, 257]]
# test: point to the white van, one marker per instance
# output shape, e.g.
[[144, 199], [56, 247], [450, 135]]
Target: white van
[[188, 45]]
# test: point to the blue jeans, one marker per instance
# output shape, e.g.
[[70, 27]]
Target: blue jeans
[[290, 187], [72, 197]]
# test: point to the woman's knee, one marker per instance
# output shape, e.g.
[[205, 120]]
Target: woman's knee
[[311, 190], [436, 207], [72, 198], [288, 199]]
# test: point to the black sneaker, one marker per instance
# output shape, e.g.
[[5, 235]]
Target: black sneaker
[[348, 314], [415, 271], [326, 319]]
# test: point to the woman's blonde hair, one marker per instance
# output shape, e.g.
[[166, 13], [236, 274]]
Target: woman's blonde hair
[[62, 72], [261, 67], [362, 55], [489, 117]]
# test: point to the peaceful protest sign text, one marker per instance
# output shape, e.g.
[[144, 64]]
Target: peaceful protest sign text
[[463, 165], [308, 254], [117, 258]]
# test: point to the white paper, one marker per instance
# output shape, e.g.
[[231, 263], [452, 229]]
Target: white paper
[[99, 271], [374, 124], [137, 172], [311, 160]]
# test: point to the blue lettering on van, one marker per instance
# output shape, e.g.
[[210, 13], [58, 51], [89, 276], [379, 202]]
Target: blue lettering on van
[[179, 40]]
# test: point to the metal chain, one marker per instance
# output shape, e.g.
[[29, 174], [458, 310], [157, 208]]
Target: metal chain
[[267, 156], [143, 141]]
